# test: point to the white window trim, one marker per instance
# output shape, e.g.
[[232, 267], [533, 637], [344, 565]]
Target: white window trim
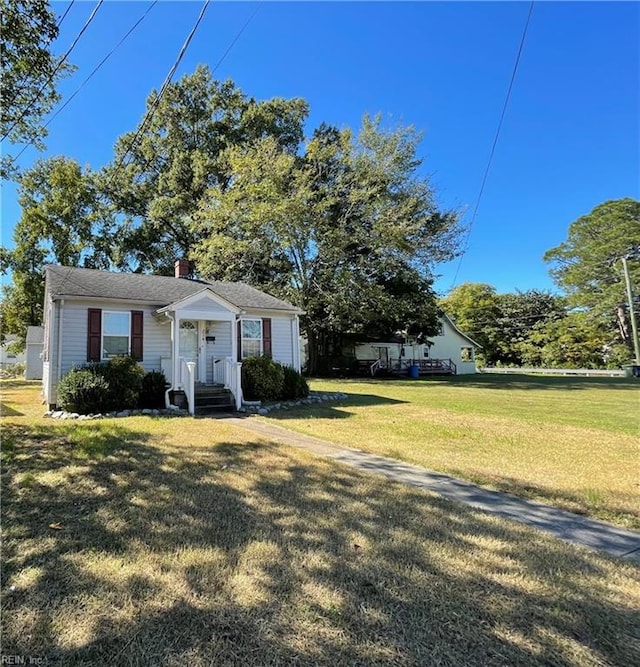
[[242, 338], [102, 327]]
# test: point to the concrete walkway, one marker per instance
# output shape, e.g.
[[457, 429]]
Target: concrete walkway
[[564, 525]]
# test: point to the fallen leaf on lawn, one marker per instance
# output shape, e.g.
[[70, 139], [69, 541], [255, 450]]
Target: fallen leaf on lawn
[[55, 526]]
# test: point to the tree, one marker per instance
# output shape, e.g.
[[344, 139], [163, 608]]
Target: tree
[[475, 309], [587, 265], [574, 341], [63, 222], [161, 171], [348, 231], [522, 313], [29, 74]]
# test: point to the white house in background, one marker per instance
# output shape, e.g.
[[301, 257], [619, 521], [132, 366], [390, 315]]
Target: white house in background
[[449, 351], [7, 356], [196, 332], [34, 347]]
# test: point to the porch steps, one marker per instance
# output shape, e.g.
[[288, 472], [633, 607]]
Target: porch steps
[[213, 398]]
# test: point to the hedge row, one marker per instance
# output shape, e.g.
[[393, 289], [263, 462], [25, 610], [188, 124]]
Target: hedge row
[[117, 384]]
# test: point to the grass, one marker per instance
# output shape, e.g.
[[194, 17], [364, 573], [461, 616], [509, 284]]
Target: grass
[[152, 541], [570, 442]]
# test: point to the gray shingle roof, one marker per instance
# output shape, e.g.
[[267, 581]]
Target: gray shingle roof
[[160, 290]]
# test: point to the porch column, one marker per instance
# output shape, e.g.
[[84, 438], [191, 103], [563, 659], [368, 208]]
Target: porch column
[[177, 380], [235, 323]]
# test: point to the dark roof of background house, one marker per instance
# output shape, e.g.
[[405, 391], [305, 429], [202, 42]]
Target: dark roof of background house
[[161, 290]]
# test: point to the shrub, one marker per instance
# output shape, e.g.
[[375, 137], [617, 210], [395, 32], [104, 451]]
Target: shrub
[[152, 392], [294, 386], [262, 379], [124, 380], [81, 390]]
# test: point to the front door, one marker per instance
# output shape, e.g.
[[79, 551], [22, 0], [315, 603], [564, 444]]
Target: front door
[[189, 342]]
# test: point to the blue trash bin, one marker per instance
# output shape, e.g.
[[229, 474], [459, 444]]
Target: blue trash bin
[[414, 371]]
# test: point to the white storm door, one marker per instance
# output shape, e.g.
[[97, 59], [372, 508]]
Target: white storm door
[[189, 342]]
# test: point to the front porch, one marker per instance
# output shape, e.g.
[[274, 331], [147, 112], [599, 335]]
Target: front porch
[[204, 346]]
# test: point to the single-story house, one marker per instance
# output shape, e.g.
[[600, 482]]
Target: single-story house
[[34, 345], [448, 351], [196, 332]]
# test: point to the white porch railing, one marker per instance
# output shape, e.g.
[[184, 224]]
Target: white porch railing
[[228, 372], [188, 382]]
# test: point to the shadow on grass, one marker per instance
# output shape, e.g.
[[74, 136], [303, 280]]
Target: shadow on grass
[[7, 411], [247, 554], [509, 382], [333, 410]]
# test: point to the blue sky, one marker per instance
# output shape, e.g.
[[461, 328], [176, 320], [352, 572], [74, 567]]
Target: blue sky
[[570, 138]]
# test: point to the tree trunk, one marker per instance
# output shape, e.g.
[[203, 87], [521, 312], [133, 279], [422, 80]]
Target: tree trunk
[[623, 325]]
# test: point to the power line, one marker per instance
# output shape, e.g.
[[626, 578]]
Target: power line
[[34, 70], [52, 75], [95, 70], [64, 16], [149, 115], [495, 141], [235, 39]]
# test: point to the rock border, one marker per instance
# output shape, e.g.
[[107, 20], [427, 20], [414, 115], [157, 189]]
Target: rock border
[[315, 397], [63, 414], [248, 408]]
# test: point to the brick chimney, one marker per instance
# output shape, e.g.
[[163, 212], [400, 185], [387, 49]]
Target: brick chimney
[[182, 269]]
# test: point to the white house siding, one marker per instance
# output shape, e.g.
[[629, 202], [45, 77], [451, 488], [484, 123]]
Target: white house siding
[[156, 334], [220, 348], [449, 346], [282, 340], [45, 382]]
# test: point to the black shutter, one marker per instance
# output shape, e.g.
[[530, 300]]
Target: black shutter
[[94, 334], [266, 336], [136, 334]]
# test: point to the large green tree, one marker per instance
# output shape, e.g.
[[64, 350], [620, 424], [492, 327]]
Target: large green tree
[[347, 230], [29, 72], [522, 313], [63, 221], [588, 267], [162, 170], [475, 308]]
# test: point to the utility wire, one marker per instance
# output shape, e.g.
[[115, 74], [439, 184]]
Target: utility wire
[[95, 69], [151, 110], [64, 16], [223, 57], [495, 141], [235, 39], [27, 74], [58, 66]]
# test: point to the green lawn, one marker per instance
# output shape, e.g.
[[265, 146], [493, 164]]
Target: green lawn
[[569, 441], [158, 541]]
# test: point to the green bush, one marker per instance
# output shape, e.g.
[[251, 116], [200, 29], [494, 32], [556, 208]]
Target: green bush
[[81, 390], [262, 379], [124, 378], [295, 386], [152, 392]]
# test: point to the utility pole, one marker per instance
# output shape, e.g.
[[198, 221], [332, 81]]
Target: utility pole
[[632, 315]]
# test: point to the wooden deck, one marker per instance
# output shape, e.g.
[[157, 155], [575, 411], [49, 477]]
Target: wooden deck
[[400, 367]]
